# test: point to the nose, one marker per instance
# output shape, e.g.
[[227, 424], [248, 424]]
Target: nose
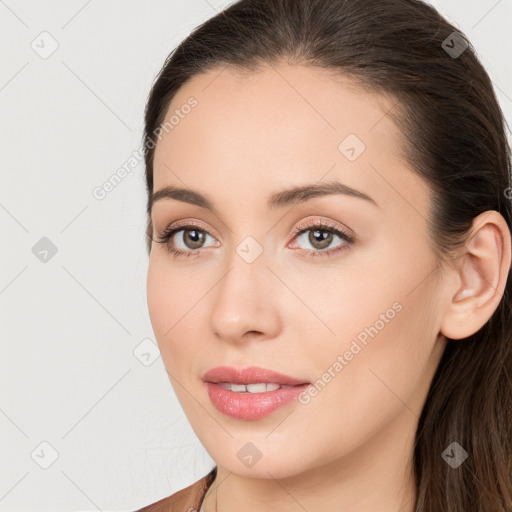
[[245, 303]]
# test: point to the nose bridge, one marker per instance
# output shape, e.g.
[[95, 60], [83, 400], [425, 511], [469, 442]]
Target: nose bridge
[[243, 301]]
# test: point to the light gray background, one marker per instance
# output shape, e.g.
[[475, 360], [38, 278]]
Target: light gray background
[[70, 325]]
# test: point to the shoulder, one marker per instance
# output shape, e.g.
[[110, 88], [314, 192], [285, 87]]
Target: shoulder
[[188, 499]]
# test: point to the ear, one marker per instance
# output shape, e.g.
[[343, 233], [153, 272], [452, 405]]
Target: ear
[[481, 273]]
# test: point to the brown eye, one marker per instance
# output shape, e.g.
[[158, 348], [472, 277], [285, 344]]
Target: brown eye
[[193, 238], [187, 239], [320, 238]]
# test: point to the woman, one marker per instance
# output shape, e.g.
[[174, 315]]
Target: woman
[[329, 219]]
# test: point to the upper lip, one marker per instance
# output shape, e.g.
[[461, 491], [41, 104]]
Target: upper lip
[[250, 375]]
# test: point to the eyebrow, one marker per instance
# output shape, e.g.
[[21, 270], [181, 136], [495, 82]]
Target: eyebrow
[[276, 200]]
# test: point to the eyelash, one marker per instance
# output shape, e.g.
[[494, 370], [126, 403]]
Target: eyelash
[[165, 237]]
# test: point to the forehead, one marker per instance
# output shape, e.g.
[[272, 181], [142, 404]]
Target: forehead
[[278, 126], [276, 105]]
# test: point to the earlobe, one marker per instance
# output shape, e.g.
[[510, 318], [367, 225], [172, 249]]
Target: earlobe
[[482, 271]]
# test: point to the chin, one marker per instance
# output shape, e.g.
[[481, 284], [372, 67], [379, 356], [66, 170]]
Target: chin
[[259, 459]]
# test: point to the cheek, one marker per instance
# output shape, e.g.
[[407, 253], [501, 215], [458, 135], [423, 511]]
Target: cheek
[[174, 300], [377, 290], [159, 296], [378, 309], [381, 354], [171, 308], [168, 293]]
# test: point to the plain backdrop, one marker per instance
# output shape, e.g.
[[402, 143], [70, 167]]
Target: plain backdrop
[[88, 417]]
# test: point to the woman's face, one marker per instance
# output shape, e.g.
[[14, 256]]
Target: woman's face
[[278, 286]]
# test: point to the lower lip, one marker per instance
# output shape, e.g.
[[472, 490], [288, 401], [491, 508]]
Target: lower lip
[[251, 406]]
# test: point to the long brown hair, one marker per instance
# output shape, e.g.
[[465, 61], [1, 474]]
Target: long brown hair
[[454, 138]]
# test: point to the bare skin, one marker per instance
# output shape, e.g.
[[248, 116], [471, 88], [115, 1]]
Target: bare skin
[[350, 447]]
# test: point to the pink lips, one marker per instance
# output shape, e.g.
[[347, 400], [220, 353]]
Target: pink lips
[[246, 405]]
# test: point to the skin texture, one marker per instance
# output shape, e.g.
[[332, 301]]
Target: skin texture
[[350, 447]]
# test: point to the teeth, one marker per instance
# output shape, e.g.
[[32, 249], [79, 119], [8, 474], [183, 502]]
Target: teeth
[[255, 388], [251, 388]]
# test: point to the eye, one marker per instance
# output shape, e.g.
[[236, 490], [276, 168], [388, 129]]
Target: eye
[[320, 235], [185, 239]]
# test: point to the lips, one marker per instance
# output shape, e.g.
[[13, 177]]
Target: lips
[[249, 402], [251, 375]]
